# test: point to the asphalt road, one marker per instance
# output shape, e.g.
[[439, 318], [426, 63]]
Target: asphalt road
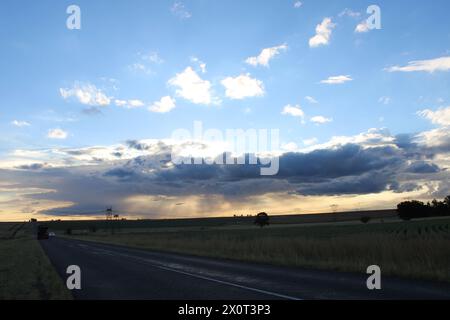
[[117, 272]]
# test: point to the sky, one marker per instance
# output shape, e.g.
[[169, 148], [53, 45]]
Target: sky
[[88, 115]]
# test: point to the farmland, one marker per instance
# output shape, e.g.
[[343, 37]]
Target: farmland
[[219, 222]]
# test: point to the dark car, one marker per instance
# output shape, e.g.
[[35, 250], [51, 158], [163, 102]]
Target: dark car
[[42, 233]]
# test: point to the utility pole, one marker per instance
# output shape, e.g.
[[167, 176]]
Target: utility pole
[[109, 213], [109, 217]]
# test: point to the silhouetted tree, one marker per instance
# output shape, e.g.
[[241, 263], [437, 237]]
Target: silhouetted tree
[[447, 201], [416, 209], [439, 208], [408, 210], [262, 219]]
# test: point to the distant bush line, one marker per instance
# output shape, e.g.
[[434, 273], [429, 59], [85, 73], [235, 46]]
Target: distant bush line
[[414, 209]]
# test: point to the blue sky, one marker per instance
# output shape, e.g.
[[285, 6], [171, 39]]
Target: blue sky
[[139, 50]]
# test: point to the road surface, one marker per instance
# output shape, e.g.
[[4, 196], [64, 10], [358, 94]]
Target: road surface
[[117, 272]]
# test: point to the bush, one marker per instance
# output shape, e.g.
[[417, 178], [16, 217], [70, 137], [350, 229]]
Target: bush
[[365, 219], [262, 219]]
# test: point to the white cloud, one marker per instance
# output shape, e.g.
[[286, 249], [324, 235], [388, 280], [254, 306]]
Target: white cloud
[[179, 10], [135, 103], [87, 94], [294, 111], [337, 79], [20, 124], [203, 67], [140, 67], [152, 57], [200, 63], [266, 55], [191, 87], [297, 4], [374, 137], [310, 142], [145, 62], [323, 33], [311, 100], [384, 100], [57, 134], [320, 120], [289, 147], [242, 86], [434, 138], [165, 104], [129, 104], [432, 65], [440, 116], [362, 27], [120, 103]]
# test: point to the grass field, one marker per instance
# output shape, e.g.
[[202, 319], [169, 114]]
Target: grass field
[[222, 221], [25, 271], [415, 249]]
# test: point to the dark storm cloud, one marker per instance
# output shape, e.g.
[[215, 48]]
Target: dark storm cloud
[[405, 187], [79, 152], [423, 167], [33, 166], [190, 172], [348, 160], [342, 170], [372, 182], [135, 144], [122, 173], [405, 141], [349, 169]]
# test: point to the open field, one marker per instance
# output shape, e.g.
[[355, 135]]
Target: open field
[[415, 249], [238, 221], [25, 271]]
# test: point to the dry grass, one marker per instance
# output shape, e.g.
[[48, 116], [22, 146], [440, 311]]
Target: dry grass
[[344, 248], [25, 271]]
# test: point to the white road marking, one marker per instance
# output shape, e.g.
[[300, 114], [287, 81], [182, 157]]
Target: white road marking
[[148, 262], [232, 284]]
